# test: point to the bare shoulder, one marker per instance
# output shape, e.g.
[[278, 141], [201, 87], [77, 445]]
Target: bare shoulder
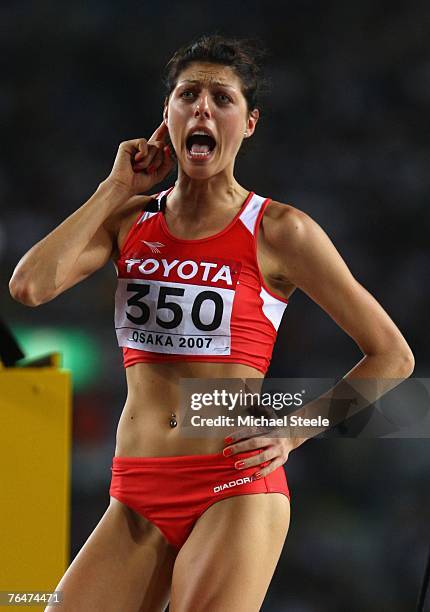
[[120, 223], [285, 225], [299, 242]]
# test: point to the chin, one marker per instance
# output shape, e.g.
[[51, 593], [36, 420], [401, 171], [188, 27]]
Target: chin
[[199, 173], [203, 170]]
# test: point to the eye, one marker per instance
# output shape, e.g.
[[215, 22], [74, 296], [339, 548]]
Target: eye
[[226, 98], [223, 97]]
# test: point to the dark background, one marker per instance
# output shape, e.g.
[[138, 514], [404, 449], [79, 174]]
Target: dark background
[[344, 137]]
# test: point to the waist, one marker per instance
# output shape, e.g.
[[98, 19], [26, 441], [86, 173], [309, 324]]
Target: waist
[[154, 396]]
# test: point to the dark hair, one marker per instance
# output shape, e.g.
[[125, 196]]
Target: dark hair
[[244, 56]]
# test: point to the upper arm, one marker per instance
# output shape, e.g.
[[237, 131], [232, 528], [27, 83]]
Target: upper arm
[[106, 242], [314, 265], [95, 255]]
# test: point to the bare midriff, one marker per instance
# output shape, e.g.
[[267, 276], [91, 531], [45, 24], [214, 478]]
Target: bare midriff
[[144, 428]]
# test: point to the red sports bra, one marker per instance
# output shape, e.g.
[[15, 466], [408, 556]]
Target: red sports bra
[[195, 300]]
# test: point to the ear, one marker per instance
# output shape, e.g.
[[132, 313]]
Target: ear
[[252, 121], [165, 111]]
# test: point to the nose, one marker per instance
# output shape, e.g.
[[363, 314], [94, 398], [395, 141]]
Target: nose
[[202, 106]]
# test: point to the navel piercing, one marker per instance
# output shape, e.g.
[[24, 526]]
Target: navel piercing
[[173, 422]]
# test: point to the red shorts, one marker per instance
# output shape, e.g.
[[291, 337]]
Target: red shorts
[[173, 492]]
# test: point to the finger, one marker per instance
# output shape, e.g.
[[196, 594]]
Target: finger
[[166, 165], [246, 445], [245, 434], [146, 151], [153, 162], [160, 133], [239, 447], [142, 150], [260, 459], [273, 465], [148, 159], [132, 147], [241, 434]]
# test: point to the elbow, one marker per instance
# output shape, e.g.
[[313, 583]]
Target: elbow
[[405, 362], [408, 361], [395, 362], [23, 293]]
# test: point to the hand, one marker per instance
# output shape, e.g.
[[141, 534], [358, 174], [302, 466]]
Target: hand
[[276, 451], [140, 164]]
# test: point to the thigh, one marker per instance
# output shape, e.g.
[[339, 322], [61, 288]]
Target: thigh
[[230, 556], [126, 564]]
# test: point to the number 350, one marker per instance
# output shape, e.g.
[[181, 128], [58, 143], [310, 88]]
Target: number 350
[[141, 290]]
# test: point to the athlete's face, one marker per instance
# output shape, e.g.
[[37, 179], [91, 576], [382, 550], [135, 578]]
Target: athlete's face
[[208, 96]]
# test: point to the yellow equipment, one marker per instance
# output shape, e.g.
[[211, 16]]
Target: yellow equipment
[[35, 448]]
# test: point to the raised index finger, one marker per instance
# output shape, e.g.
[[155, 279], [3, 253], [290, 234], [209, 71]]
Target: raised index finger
[[160, 133]]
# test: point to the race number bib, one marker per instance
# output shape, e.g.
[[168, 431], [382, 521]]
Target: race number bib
[[172, 317]]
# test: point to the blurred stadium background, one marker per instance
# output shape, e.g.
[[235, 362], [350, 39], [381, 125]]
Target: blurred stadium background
[[344, 136]]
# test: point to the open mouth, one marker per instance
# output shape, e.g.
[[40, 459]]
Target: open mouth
[[200, 146]]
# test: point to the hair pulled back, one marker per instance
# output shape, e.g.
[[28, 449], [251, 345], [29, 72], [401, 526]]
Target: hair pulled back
[[245, 57]]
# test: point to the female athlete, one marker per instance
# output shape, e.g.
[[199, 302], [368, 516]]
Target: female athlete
[[205, 271]]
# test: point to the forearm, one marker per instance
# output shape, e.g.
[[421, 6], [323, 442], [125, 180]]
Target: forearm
[[369, 380], [45, 267]]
